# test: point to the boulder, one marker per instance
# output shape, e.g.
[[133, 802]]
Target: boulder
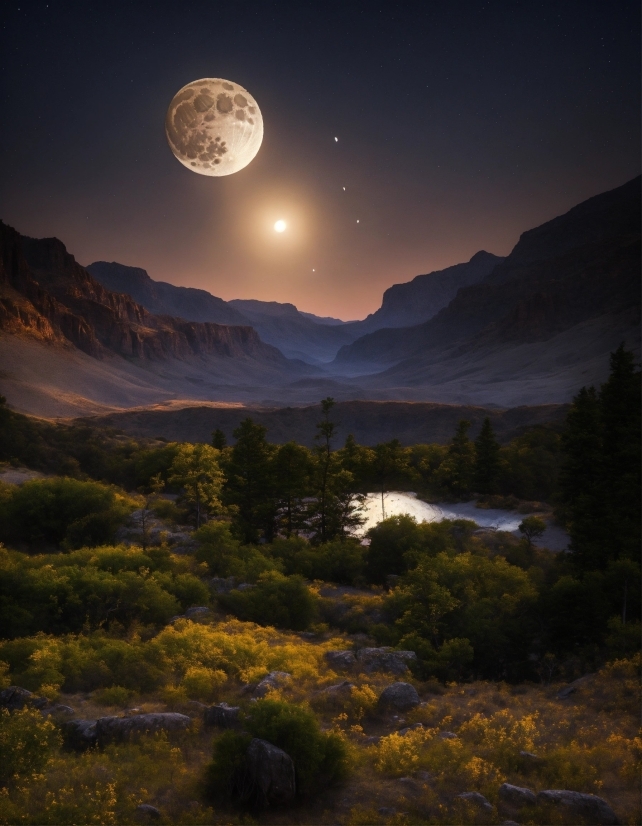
[[414, 727], [448, 735], [399, 696], [79, 735], [477, 800], [269, 775], [222, 585], [118, 729], [58, 710], [340, 659], [273, 680], [571, 688], [588, 807], [15, 698], [222, 716], [385, 659], [197, 611], [339, 691], [146, 810], [516, 796]]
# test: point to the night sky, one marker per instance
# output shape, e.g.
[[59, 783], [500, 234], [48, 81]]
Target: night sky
[[460, 125]]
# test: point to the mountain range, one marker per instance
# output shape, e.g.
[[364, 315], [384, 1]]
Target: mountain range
[[530, 328]]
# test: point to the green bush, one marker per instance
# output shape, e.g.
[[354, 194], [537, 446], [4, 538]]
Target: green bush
[[318, 757], [228, 758], [225, 556], [341, 562], [63, 512], [26, 743], [278, 600]]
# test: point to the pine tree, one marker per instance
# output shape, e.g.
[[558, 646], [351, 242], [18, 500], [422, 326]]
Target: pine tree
[[291, 467], [456, 471], [249, 485], [487, 465]]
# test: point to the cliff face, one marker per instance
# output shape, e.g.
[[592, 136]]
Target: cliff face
[[162, 298], [581, 266], [46, 294]]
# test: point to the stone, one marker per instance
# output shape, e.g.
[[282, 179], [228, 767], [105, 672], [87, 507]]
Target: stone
[[571, 688], [79, 735], [273, 680], [119, 729], [529, 756], [448, 735], [148, 811], [339, 691], [270, 778], [516, 796], [399, 696], [386, 811], [509, 823], [423, 776], [410, 784], [371, 741], [15, 698], [222, 716], [477, 800], [340, 659], [222, 585], [385, 659], [58, 710], [576, 804], [197, 611], [414, 727]]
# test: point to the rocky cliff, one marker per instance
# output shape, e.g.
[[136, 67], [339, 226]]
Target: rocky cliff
[[46, 294]]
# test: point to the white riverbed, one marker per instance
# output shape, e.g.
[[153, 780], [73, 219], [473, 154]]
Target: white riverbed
[[398, 502]]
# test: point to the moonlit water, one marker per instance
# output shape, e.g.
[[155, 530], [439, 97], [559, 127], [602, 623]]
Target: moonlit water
[[396, 503]]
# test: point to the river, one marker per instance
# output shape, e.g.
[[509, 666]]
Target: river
[[398, 502]]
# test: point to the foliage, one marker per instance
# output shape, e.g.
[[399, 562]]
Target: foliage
[[486, 474], [457, 469], [26, 743], [63, 512], [92, 588], [227, 763], [278, 600], [531, 527], [318, 757], [196, 471], [225, 556]]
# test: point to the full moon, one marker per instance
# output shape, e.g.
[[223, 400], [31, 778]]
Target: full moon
[[214, 126], [280, 226]]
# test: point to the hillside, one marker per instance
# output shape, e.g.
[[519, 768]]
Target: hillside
[[369, 422], [543, 320], [72, 346]]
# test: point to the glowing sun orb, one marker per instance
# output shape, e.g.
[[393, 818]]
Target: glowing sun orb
[[280, 226]]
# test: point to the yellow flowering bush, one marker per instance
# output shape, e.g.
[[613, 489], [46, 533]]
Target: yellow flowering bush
[[400, 754], [26, 743], [501, 736]]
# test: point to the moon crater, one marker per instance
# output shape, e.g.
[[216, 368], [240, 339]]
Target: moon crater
[[208, 129]]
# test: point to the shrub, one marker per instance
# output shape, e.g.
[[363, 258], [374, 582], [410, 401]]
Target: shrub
[[26, 743], [228, 758], [278, 600], [115, 695], [225, 556], [317, 756], [203, 683], [61, 511]]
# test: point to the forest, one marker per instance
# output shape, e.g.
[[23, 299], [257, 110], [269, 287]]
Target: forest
[[143, 577]]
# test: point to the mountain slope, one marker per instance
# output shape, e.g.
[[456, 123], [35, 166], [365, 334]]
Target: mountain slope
[[417, 301], [68, 344], [162, 298], [537, 328]]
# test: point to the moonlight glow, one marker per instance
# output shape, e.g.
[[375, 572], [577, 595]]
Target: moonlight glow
[[214, 127], [280, 226]]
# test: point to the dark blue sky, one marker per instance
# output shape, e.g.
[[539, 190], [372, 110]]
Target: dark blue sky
[[460, 125]]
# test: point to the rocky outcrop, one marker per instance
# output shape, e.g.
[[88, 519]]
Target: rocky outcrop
[[275, 679], [119, 729], [269, 777], [222, 716], [516, 796], [385, 659], [399, 697], [584, 807], [79, 735], [477, 800], [67, 303], [15, 698], [340, 660]]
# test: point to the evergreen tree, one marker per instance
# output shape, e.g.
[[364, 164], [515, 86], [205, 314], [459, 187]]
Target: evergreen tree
[[456, 471], [487, 464], [621, 459], [389, 465], [249, 485], [600, 474], [196, 470], [218, 439], [291, 467]]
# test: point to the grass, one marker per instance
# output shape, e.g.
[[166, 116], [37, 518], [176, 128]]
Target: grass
[[589, 742]]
